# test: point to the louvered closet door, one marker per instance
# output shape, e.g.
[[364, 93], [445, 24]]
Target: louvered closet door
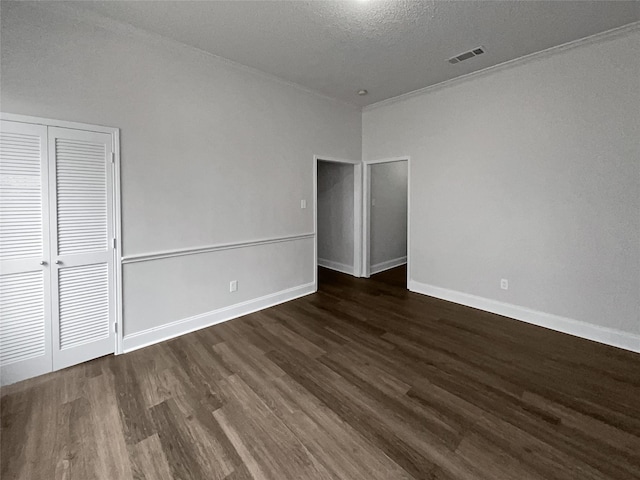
[[83, 299], [25, 309]]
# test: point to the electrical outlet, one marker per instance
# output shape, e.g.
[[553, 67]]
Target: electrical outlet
[[233, 285], [504, 284], [303, 203]]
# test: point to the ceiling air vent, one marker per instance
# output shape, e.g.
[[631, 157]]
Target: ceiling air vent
[[467, 55]]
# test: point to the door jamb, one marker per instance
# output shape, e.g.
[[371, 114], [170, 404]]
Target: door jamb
[[357, 212], [366, 213]]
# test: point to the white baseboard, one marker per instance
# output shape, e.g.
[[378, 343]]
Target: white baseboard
[[148, 337], [389, 264], [608, 336], [338, 267]]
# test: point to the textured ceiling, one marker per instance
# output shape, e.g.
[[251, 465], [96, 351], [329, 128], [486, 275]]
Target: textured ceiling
[[386, 47]]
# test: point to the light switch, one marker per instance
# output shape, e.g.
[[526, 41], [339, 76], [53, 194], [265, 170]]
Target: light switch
[[303, 203]]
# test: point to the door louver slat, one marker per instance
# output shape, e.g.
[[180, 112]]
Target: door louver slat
[[20, 195], [81, 182], [84, 307], [24, 329]]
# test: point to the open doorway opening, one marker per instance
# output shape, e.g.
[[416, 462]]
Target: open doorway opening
[[338, 215], [386, 220]]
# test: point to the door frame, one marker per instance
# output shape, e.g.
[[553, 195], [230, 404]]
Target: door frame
[[366, 213], [357, 212], [117, 251]]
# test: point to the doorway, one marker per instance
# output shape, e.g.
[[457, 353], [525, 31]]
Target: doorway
[[338, 215], [386, 214], [59, 244]]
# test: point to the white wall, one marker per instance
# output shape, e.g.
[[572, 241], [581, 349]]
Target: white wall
[[529, 173], [335, 216], [388, 217], [212, 153]]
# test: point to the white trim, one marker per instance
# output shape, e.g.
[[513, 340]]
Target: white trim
[[366, 213], [357, 219], [117, 213], [174, 329], [385, 160], [608, 336], [337, 266], [356, 270], [598, 37], [324, 158], [366, 220], [408, 220], [314, 165], [145, 257], [389, 264], [49, 122]]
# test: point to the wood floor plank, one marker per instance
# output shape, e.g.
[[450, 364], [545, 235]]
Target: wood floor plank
[[360, 381], [371, 419], [342, 450], [148, 461], [136, 422], [266, 440], [481, 457], [177, 443], [598, 431], [106, 428]]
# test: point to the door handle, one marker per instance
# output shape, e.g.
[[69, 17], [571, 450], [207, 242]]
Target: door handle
[[58, 262], [42, 262]]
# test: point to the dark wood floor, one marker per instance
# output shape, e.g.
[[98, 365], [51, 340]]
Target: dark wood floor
[[360, 381]]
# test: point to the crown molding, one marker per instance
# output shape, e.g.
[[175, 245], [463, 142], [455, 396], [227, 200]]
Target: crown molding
[[122, 28], [155, 39], [596, 38]]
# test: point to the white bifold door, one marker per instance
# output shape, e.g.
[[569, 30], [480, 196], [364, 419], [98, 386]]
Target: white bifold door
[[57, 298], [25, 301]]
